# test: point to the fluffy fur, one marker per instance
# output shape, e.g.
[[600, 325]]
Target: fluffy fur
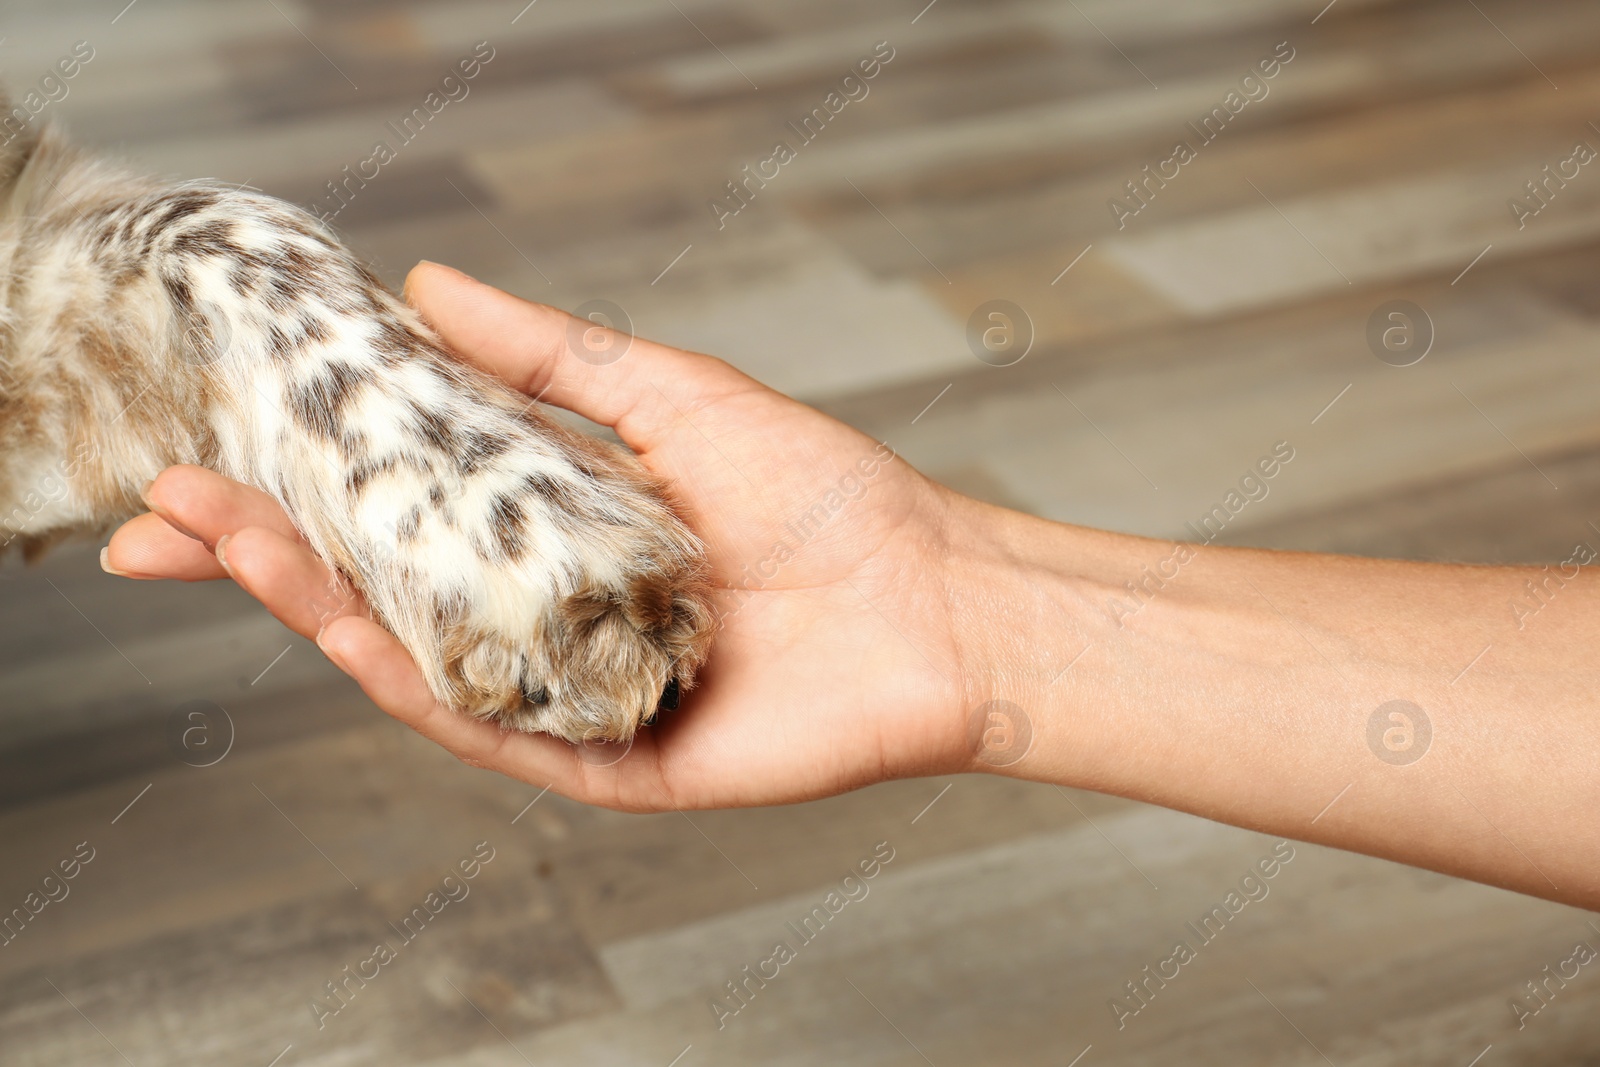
[[537, 575]]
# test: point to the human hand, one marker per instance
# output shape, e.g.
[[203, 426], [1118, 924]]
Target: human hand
[[839, 661]]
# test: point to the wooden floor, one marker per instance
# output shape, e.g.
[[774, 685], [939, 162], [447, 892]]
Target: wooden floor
[[1230, 312]]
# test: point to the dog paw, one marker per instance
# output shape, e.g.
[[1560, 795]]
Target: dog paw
[[607, 659], [538, 576], [547, 587]]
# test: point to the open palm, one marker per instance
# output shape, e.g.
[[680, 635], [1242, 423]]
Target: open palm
[[836, 664]]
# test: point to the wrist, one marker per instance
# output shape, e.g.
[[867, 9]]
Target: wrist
[[1075, 641], [1024, 611]]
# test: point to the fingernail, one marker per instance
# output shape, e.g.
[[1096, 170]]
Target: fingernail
[[458, 272], [222, 552], [405, 289], [333, 657], [105, 564], [165, 516]]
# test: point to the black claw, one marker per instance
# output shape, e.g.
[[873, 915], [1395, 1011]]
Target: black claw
[[669, 697]]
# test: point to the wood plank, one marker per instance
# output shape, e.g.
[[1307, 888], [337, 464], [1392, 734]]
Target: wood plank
[[1193, 436], [979, 168]]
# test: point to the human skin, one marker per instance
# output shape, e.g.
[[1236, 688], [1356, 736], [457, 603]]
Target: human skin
[[1241, 690]]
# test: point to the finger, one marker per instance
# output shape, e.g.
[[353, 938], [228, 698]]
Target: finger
[[148, 547], [206, 506], [539, 350], [388, 675], [291, 582], [301, 593]]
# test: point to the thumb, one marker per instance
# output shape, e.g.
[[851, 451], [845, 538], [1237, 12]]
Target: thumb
[[607, 377]]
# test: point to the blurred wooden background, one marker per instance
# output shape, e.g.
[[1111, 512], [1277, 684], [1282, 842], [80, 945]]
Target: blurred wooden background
[[1230, 313]]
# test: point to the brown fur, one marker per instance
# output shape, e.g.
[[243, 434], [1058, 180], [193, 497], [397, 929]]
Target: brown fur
[[539, 577]]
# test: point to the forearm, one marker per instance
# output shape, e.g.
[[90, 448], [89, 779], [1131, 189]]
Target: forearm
[[1242, 685]]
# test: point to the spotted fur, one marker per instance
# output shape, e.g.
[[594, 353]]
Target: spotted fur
[[537, 575]]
